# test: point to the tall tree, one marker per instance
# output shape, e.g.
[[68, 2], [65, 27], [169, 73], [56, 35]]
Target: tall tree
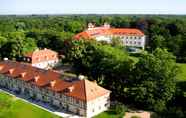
[[153, 80]]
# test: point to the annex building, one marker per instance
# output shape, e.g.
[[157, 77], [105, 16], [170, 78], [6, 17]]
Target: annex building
[[129, 36], [81, 96], [44, 58]]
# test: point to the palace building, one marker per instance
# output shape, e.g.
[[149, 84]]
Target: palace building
[[81, 96], [129, 36], [44, 58]]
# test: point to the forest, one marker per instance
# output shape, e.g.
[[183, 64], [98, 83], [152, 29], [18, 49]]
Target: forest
[[145, 81], [40, 31]]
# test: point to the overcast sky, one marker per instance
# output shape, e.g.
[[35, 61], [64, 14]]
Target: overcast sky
[[93, 6]]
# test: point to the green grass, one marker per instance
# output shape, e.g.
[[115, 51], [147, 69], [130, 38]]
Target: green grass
[[10, 107], [182, 73], [108, 114]]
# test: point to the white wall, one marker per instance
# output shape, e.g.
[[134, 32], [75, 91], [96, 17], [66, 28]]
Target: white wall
[[45, 64], [98, 105], [127, 40]]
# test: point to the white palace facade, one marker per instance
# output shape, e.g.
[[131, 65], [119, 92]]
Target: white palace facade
[[82, 97], [129, 36]]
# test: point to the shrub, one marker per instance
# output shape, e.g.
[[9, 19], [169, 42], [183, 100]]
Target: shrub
[[119, 109]]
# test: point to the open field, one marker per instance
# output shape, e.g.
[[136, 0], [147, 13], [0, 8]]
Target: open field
[[182, 72], [11, 107]]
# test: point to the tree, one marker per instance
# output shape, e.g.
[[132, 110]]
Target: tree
[[102, 63], [158, 41], [153, 80], [116, 42], [3, 40], [17, 45], [74, 26]]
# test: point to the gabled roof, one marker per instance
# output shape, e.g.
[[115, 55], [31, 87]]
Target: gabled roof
[[42, 55], [87, 90], [84, 90]]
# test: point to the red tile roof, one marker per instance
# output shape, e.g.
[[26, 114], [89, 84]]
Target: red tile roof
[[82, 89], [87, 90], [108, 31], [42, 55]]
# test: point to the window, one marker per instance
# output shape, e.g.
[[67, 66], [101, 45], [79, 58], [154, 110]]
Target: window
[[77, 101], [53, 56], [46, 57], [106, 105], [28, 59], [139, 43], [92, 110]]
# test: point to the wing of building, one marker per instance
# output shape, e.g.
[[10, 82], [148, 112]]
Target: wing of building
[[82, 97], [129, 36], [44, 58]]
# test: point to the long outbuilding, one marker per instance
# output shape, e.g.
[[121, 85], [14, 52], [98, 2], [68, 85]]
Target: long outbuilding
[[82, 97]]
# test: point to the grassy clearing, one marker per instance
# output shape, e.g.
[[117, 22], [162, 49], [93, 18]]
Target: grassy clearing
[[108, 114], [182, 73], [16, 108]]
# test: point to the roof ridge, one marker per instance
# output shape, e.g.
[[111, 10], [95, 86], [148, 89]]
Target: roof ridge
[[85, 89]]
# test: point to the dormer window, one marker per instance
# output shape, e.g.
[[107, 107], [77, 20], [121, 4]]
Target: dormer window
[[24, 58], [52, 83], [28, 59], [70, 89], [46, 57], [1, 67], [36, 78], [23, 74], [53, 56], [11, 71]]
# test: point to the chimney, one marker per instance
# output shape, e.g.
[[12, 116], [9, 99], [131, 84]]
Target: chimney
[[94, 81], [5, 59], [81, 77], [106, 25], [90, 26]]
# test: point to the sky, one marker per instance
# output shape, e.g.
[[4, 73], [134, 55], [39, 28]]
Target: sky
[[20, 7]]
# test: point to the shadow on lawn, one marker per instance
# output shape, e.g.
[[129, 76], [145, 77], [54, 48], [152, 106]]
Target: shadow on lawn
[[111, 112]]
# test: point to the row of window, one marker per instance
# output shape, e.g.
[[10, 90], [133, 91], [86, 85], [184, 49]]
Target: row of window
[[131, 42], [57, 95], [46, 92], [126, 37], [46, 57]]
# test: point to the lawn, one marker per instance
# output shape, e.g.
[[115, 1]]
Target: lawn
[[182, 72], [108, 114], [11, 107]]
